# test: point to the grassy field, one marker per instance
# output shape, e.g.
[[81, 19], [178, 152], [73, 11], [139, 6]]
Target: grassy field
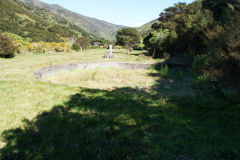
[[42, 120], [105, 78]]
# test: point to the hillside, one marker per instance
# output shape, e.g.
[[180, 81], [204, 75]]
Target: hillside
[[93, 26], [27, 23], [49, 16], [146, 28]]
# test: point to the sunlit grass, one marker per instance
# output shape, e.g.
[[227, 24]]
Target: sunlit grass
[[105, 78]]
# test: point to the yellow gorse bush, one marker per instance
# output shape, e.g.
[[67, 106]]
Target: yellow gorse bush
[[46, 47], [26, 45]]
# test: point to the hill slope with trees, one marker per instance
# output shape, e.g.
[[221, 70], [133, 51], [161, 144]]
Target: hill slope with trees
[[35, 24], [93, 26]]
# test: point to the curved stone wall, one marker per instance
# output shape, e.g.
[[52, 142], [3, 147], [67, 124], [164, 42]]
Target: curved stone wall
[[40, 73]]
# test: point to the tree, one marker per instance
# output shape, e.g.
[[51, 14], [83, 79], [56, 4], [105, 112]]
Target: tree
[[7, 48], [81, 44], [224, 46], [128, 37], [187, 27], [155, 26], [154, 42]]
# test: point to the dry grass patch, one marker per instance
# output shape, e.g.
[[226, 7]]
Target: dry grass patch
[[105, 78]]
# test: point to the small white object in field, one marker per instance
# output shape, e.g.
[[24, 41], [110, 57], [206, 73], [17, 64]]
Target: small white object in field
[[110, 50]]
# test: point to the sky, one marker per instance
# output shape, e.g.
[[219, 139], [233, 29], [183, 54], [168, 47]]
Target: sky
[[132, 13]]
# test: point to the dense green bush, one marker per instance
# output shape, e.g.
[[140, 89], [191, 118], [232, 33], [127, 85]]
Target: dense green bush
[[185, 28], [81, 44], [201, 62], [128, 37], [7, 48], [139, 47], [76, 47], [210, 27], [154, 42], [222, 63]]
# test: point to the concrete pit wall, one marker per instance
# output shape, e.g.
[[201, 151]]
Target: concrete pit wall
[[41, 73]]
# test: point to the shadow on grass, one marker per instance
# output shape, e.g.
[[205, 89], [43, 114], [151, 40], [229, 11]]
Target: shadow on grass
[[105, 125], [172, 80], [146, 53]]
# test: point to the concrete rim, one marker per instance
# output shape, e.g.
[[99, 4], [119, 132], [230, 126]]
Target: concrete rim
[[51, 70]]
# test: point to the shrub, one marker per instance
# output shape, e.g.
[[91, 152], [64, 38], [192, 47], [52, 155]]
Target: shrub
[[19, 42], [154, 42], [17, 38], [201, 63], [7, 48], [76, 47], [82, 43], [128, 37], [139, 47], [45, 47], [164, 71], [118, 47]]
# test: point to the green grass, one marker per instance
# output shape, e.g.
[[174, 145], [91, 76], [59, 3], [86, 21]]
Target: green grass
[[41, 120], [105, 78]]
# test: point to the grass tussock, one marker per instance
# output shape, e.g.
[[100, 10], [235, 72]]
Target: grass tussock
[[105, 78]]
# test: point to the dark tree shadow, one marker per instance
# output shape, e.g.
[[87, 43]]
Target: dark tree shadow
[[176, 81], [105, 125], [146, 53], [93, 124]]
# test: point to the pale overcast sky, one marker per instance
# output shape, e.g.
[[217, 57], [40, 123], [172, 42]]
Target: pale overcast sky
[[132, 13]]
